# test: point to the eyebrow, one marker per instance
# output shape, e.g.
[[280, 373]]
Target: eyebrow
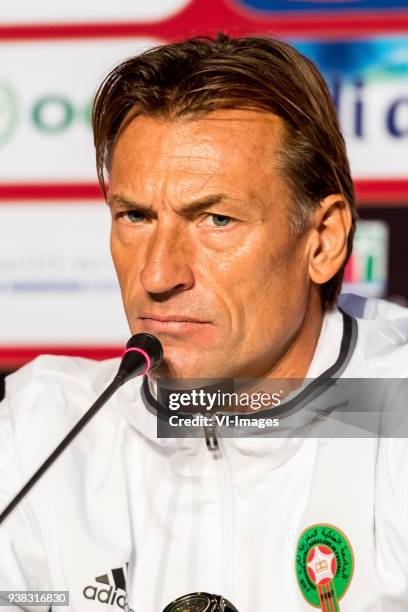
[[187, 210]]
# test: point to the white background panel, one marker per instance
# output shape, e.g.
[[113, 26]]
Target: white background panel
[[57, 280], [46, 90], [45, 11], [378, 153]]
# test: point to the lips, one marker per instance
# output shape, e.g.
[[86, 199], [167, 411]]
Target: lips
[[177, 323], [171, 318]]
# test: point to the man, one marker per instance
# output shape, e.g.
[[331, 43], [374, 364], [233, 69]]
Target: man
[[232, 219]]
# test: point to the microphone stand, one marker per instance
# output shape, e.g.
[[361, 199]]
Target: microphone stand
[[109, 391], [143, 352]]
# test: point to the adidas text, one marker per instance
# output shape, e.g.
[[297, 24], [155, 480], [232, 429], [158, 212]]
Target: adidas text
[[108, 596]]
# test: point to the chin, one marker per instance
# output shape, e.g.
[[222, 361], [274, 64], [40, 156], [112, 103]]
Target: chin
[[174, 371], [181, 365]]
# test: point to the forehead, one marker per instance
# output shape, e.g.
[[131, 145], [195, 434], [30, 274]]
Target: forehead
[[232, 146]]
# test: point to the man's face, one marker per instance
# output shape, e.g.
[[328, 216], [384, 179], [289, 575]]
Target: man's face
[[202, 245]]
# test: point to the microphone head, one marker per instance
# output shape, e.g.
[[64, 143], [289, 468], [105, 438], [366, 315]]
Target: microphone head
[[150, 345], [143, 353]]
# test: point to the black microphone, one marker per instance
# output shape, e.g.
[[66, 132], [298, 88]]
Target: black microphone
[[143, 353]]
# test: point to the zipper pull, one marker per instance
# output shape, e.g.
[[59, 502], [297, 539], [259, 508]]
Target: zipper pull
[[211, 437]]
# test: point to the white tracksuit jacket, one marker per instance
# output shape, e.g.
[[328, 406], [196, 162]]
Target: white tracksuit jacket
[[170, 517]]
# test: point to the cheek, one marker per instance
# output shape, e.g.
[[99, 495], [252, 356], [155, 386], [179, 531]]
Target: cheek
[[264, 266], [276, 285], [287, 280]]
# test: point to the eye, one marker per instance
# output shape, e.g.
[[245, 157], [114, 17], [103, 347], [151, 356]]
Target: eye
[[133, 216], [214, 220]]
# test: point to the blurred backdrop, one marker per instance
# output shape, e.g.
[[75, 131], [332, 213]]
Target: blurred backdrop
[[58, 292]]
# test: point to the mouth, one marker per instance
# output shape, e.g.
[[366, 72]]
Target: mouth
[[172, 323]]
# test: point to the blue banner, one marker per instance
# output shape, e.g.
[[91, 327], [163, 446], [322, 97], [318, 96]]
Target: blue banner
[[370, 59], [313, 6], [368, 80]]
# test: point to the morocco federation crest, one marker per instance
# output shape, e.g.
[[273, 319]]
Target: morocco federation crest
[[324, 566]]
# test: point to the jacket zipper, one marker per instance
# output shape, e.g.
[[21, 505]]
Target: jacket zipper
[[211, 437], [225, 498]]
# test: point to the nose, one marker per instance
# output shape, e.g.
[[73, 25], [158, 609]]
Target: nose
[[167, 265]]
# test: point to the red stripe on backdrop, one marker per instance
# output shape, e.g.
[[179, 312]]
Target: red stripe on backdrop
[[49, 191], [369, 192], [199, 17], [372, 192], [12, 357]]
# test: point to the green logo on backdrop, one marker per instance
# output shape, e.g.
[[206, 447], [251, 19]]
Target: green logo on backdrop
[[8, 112], [51, 114]]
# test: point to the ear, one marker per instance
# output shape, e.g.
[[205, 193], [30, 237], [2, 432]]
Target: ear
[[330, 227]]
